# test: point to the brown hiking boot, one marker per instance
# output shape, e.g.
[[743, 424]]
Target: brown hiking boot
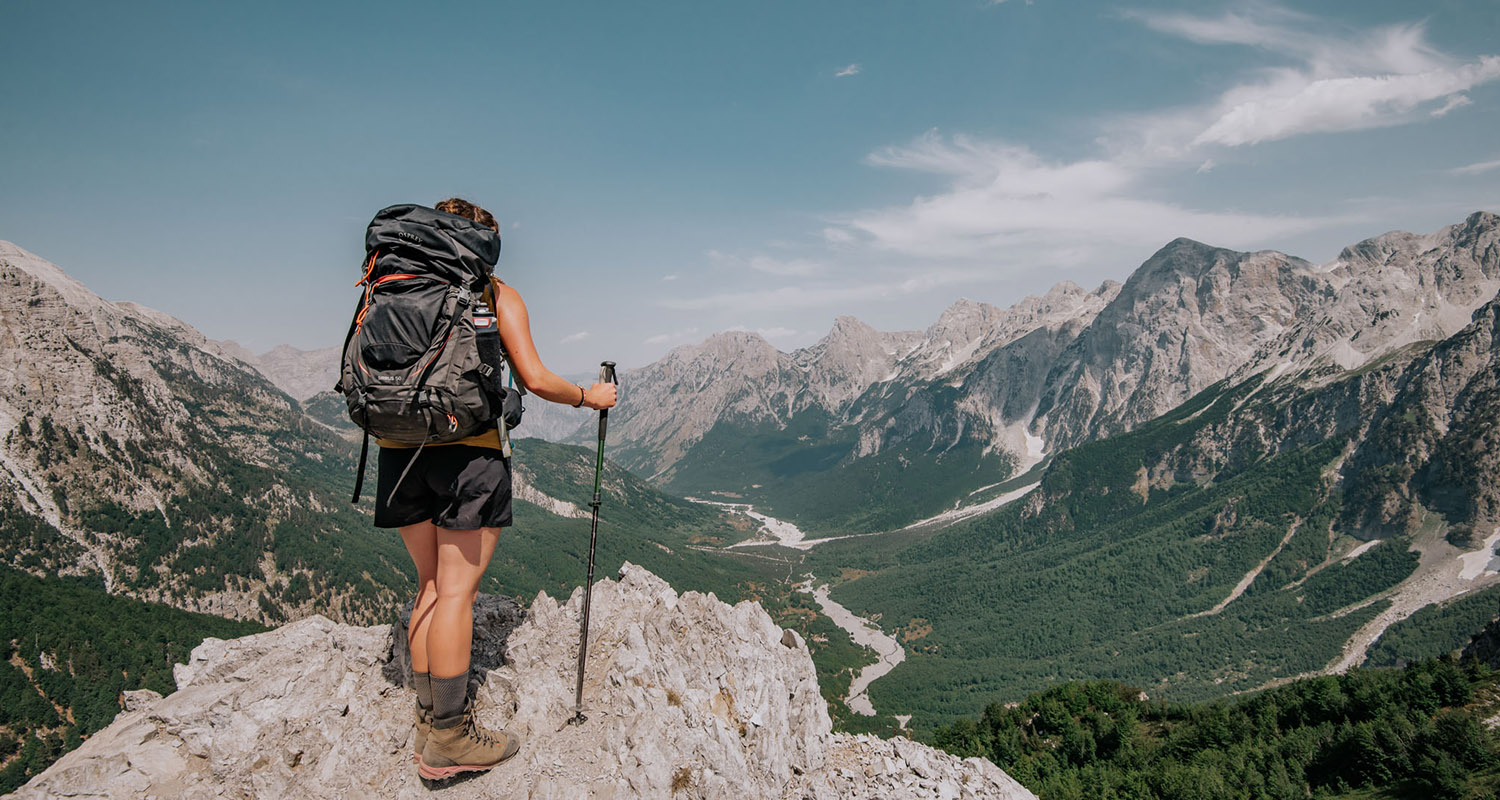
[[424, 725], [463, 746]]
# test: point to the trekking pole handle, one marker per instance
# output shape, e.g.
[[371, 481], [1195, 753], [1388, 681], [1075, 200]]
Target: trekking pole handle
[[606, 375]]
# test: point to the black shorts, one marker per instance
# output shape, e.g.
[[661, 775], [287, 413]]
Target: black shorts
[[455, 486]]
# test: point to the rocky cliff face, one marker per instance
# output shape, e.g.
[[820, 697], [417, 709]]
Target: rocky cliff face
[[1189, 316], [684, 696], [1387, 293], [111, 414], [1419, 427]]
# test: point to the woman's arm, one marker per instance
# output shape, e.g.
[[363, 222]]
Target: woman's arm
[[515, 332]]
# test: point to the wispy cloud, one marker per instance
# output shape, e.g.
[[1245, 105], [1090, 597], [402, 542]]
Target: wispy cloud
[[1476, 169], [769, 265], [1005, 199], [852, 69], [1338, 80], [669, 277], [1456, 101], [575, 337], [676, 337]]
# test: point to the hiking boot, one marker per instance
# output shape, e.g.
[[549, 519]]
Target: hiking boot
[[424, 725], [463, 746]]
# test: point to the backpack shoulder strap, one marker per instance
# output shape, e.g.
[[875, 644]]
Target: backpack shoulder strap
[[489, 294], [490, 291]]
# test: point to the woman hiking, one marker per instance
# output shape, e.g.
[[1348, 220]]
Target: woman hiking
[[453, 500]]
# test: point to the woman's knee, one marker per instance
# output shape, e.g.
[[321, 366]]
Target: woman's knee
[[449, 593]]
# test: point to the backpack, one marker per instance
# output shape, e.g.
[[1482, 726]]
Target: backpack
[[412, 367]]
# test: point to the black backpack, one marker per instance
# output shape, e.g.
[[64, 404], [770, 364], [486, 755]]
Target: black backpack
[[413, 371]]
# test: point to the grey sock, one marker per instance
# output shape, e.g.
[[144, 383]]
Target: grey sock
[[448, 699], [423, 683]]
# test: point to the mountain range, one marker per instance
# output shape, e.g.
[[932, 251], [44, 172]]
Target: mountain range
[[985, 392], [1229, 470]]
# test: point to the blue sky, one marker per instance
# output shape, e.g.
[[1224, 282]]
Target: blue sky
[[666, 170]]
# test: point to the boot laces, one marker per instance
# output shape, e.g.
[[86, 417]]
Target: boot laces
[[478, 733]]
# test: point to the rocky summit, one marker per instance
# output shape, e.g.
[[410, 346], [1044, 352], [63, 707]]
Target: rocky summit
[[685, 696]]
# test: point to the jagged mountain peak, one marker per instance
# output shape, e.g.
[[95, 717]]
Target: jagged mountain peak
[[683, 694], [1187, 317], [845, 324], [721, 344], [1387, 292]]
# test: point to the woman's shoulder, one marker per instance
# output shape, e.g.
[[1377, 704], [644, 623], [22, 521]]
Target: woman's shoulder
[[505, 293]]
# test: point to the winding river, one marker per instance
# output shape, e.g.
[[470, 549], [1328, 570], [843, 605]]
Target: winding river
[[888, 650]]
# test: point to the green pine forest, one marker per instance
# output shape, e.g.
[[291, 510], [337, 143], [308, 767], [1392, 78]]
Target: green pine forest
[[1417, 733], [70, 651]]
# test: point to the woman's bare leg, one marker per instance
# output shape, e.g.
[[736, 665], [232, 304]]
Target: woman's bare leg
[[421, 544], [461, 560]]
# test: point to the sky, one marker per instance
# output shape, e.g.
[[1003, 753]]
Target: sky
[[666, 170]]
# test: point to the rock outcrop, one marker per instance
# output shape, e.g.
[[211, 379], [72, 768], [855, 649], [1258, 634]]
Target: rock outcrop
[[684, 696]]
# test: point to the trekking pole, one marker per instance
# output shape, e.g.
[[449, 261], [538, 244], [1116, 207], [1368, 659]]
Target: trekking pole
[[606, 375]]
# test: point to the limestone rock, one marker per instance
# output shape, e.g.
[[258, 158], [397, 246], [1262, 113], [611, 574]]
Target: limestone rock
[[684, 696]]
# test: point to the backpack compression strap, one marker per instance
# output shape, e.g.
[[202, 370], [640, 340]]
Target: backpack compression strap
[[359, 480]]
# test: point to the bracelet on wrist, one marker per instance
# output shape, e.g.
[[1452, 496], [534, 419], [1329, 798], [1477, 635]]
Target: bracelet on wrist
[[583, 396]]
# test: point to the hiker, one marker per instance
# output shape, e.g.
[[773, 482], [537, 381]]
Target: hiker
[[452, 502]]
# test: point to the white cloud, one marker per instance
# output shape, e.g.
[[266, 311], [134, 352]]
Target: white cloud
[[759, 262], [1475, 169], [575, 337], [669, 277], [1206, 167], [1291, 103], [1339, 80], [675, 337], [1456, 101], [852, 69], [1005, 201], [837, 236]]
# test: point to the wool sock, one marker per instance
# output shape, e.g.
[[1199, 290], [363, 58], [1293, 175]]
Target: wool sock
[[423, 683], [448, 699]]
